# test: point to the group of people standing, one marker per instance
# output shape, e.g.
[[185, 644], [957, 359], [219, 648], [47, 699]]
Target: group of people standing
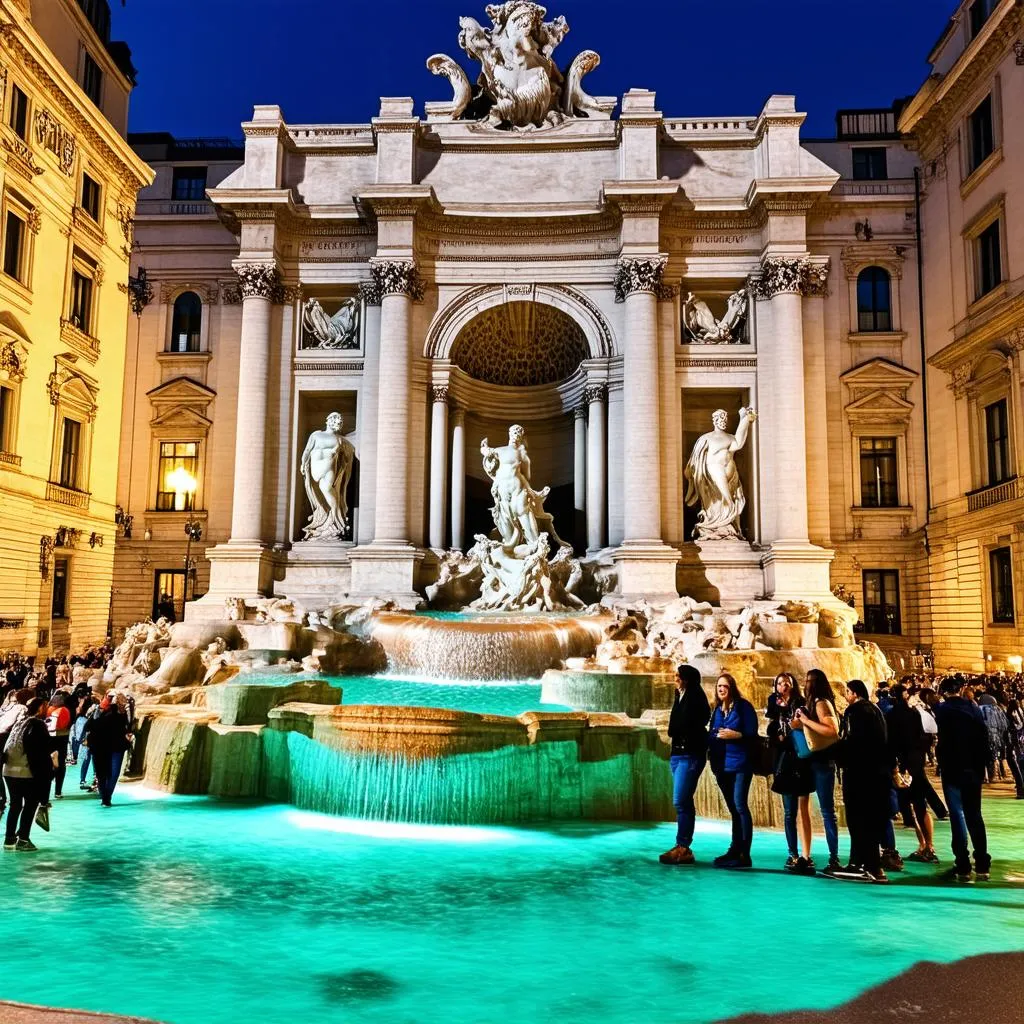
[[879, 758]]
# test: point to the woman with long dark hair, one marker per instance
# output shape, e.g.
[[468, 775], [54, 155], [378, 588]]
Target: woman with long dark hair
[[733, 729], [818, 720], [791, 778]]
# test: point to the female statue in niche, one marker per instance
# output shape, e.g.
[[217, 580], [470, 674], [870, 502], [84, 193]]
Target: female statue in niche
[[327, 462]]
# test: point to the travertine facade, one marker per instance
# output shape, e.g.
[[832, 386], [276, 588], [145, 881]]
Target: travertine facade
[[608, 282], [68, 182]]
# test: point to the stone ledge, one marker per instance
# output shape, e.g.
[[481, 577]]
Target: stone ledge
[[25, 1013]]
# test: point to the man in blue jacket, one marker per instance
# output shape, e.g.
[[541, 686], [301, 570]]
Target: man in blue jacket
[[963, 752]]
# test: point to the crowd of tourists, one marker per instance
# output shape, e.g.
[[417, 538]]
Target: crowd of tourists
[[970, 728], [50, 720]]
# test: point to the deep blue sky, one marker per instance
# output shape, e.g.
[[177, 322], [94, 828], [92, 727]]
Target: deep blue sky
[[204, 63]]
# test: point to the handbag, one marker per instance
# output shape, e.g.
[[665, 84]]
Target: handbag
[[800, 744], [43, 817], [762, 756], [816, 741], [901, 780]]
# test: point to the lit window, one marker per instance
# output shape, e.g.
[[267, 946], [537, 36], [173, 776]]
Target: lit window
[[69, 453], [189, 183], [17, 116], [869, 163], [81, 300], [997, 442], [878, 487], [874, 300], [92, 79], [1001, 573], [989, 259], [175, 456], [14, 246], [982, 135], [186, 323], [882, 601], [91, 197]]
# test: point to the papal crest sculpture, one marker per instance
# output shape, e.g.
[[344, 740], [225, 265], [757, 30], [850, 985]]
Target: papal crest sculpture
[[519, 86]]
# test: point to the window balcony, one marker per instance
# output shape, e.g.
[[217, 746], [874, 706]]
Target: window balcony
[[67, 495], [986, 497], [10, 459], [75, 338]]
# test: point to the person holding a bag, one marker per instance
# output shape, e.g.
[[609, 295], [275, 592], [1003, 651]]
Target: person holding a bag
[[28, 767], [908, 743], [815, 734], [733, 730], [792, 776]]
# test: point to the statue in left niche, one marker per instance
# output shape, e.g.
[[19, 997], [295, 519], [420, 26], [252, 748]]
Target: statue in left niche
[[327, 462], [519, 86], [338, 331]]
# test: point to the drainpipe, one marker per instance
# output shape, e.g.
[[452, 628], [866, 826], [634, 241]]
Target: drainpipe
[[924, 354]]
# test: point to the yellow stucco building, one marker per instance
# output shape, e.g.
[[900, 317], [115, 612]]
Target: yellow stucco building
[[68, 183]]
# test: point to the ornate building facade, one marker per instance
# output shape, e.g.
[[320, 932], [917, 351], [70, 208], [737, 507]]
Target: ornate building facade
[[605, 281], [68, 182]]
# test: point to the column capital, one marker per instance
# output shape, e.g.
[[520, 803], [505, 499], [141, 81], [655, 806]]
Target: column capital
[[595, 393], [369, 292], [396, 277], [258, 280], [579, 412], [666, 292], [439, 393], [638, 274], [798, 275]]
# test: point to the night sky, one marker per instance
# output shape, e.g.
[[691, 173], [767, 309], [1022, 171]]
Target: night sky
[[202, 64]]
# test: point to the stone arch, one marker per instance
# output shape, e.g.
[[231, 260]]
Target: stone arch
[[450, 321]]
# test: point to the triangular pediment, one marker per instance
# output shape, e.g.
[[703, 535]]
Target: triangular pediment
[[181, 389], [182, 404], [880, 401], [184, 418], [879, 373]]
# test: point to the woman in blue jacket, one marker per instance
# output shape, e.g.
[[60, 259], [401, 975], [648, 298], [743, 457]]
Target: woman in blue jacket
[[733, 730]]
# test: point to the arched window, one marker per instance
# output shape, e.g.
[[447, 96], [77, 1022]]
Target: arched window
[[186, 322], [874, 300]]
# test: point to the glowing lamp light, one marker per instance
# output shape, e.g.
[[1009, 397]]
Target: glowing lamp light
[[1015, 661], [181, 481]]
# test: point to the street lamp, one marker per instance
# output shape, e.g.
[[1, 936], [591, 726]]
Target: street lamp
[[183, 483]]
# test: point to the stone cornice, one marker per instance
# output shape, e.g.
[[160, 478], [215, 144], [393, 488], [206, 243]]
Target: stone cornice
[[397, 201], [636, 274], [640, 198], [1003, 328]]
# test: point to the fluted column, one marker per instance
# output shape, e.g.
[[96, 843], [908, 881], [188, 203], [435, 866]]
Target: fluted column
[[636, 284], [397, 282], [369, 397], [438, 464], [458, 476], [579, 415], [258, 283], [596, 398]]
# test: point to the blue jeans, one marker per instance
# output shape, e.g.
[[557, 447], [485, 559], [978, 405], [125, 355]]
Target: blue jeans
[[735, 787], [963, 798], [790, 807], [888, 841], [686, 770], [824, 775], [85, 762], [108, 770]]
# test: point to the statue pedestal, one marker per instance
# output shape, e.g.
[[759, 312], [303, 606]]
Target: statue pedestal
[[387, 571], [798, 571], [723, 572], [318, 573], [647, 570], [236, 570]]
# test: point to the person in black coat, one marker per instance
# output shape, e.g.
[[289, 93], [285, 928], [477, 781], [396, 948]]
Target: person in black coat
[[688, 732], [908, 745], [109, 736], [27, 770], [791, 778]]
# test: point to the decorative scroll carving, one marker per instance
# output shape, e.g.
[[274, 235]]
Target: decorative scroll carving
[[397, 277], [439, 393], [12, 361], [258, 280], [961, 380], [799, 275], [595, 393], [45, 556], [641, 274], [54, 136], [230, 294]]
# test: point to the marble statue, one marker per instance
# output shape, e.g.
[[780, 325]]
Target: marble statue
[[702, 326], [234, 608], [338, 331], [279, 609], [218, 662], [327, 462], [713, 481], [519, 582], [518, 510], [519, 86]]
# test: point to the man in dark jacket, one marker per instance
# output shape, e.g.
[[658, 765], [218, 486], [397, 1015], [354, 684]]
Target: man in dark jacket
[[27, 771], [688, 731], [109, 736], [963, 753]]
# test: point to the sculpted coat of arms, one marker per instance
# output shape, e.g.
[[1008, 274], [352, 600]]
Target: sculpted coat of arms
[[519, 85]]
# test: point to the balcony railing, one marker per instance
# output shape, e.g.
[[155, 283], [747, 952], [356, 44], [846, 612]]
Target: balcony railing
[[891, 187], [174, 207], [67, 495], [74, 337], [986, 497], [9, 459]]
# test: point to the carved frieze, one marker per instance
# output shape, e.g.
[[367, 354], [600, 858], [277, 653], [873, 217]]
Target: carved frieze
[[638, 274], [780, 275], [53, 135]]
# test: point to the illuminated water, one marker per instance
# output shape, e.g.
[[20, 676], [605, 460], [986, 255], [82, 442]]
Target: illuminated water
[[196, 912]]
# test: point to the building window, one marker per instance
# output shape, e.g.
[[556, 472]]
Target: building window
[[175, 455], [977, 14], [17, 116], [869, 163], [882, 601], [6, 419], [14, 246], [81, 301], [92, 79], [990, 261], [91, 197], [982, 141], [70, 452], [59, 603], [878, 487], [874, 300], [186, 322], [189, 183], [997, 442], [1001, 573], [168, 593]]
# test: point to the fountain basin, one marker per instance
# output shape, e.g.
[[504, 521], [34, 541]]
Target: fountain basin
[[481, 646], [598, 690], [242, 702]]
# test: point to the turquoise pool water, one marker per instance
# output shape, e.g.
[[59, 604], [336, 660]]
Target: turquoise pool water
[[193, 911]]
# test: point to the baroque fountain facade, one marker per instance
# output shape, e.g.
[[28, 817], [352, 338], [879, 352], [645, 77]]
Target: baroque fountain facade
[[601, 291]]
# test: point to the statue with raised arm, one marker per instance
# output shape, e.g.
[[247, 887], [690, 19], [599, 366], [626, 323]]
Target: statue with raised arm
[[713, 481], [327, 462], [518, 511]]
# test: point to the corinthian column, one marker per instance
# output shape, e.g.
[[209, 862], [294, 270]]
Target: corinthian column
[[258, 282], [397, 281], [438, 464], [369, 396], [458, 476], [579, 451], [596, 397]]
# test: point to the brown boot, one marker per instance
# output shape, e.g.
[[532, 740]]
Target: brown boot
[[678, 855]]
